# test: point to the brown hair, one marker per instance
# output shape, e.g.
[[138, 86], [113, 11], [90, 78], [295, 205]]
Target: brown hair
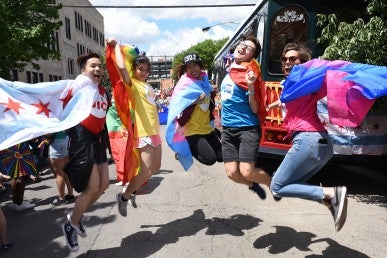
[[258, 47], [82, 59], [304, 53]]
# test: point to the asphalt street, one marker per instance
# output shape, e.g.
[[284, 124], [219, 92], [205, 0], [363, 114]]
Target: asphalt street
[[201, 213]]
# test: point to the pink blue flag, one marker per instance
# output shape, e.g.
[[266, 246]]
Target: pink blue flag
[[185, 93], [351, 87]]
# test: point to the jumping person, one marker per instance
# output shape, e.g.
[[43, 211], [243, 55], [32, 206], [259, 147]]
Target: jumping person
[[87, 154]]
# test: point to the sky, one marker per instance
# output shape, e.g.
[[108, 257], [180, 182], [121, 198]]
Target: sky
[[168, 31]]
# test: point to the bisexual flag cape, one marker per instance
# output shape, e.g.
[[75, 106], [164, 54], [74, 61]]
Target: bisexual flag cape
[[31, 110], [185, 93], [351, 87], [124, 103]]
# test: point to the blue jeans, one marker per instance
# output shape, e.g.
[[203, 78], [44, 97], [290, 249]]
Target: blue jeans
[[309, 153]]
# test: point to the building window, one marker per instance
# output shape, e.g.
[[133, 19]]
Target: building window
[[68, 28], [101, 39], [41, 79], [55, 43], [80, 49], [95, 35], [88, 29], [35, 77], [28, 73], [78, 21], [15, 75], [70, 66]]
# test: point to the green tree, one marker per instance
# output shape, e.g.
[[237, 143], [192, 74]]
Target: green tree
[[359, 35], [206, 50], [26, 33]]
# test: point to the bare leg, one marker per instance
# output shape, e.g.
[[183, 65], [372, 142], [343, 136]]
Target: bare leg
[[254, 174], [18, 187], [3, 228], [150, 163], [86, 197]]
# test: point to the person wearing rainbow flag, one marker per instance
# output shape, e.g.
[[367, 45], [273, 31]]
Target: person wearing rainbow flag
[[243, 111], [146, 127]]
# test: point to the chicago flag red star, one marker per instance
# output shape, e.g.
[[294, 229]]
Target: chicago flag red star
[[12, 105]]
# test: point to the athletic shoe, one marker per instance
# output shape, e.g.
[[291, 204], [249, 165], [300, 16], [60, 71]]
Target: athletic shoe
[[57, 202], [69, 198], [23, 206], [132, 200], [80, 229], [6, 247], [122, 206], [71, 237], [338, 207], [277, 198], [256, 188]]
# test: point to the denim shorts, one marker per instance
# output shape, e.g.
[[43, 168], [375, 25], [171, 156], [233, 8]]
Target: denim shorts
[[240, 143], [59, 148]]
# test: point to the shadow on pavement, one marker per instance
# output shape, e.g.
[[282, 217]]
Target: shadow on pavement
[[145, 243], [285, 238]]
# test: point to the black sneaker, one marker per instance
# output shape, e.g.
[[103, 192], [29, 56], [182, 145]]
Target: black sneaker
[[69, 198], [80, 229], [122, 206], [57, 202], [338, 207], [256, 188], [71, 237], [132, 200]]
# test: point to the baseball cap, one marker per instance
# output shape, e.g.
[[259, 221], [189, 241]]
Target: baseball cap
[[192, 57]]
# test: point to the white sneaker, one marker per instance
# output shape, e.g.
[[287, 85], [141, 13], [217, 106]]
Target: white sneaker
[[23, 206]]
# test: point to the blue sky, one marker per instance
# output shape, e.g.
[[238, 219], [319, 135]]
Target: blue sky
[[169, 31]]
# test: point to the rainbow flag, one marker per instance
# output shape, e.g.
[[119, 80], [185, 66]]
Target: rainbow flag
[[124, 102], [118, 137]]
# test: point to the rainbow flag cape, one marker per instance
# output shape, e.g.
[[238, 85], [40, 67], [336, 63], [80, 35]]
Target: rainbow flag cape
[[124, 102], [29, 110], [118, 137], [186, 91], [351, 87]]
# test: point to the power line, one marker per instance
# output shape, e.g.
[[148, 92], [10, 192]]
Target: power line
[[156, 6]]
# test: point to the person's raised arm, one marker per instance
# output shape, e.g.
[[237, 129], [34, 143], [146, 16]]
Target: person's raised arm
[[250, 78], [120, 61]]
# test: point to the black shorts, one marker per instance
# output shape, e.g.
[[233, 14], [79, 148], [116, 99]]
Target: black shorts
[[241, 143]]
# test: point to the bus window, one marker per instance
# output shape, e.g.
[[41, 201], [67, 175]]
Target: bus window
[[289, 24]]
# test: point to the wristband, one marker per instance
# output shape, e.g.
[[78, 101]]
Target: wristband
[[250, 93]]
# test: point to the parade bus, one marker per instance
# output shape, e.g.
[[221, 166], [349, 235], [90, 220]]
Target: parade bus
[[276, 23]]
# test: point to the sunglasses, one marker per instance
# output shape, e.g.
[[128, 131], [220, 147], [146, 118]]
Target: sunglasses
[[290, 59], [247, 47]]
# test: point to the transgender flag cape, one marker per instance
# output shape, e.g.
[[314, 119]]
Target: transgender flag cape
[[351, 87], [186, 92], [31, 110]]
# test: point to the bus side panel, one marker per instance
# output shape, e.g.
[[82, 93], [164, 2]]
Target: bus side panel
[[273, 134]]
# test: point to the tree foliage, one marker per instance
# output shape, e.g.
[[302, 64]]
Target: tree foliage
[[362, 40], [206, 50], [26, 33]]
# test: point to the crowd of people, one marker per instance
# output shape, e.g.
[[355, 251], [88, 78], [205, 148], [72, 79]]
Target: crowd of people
[[78, 156]]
